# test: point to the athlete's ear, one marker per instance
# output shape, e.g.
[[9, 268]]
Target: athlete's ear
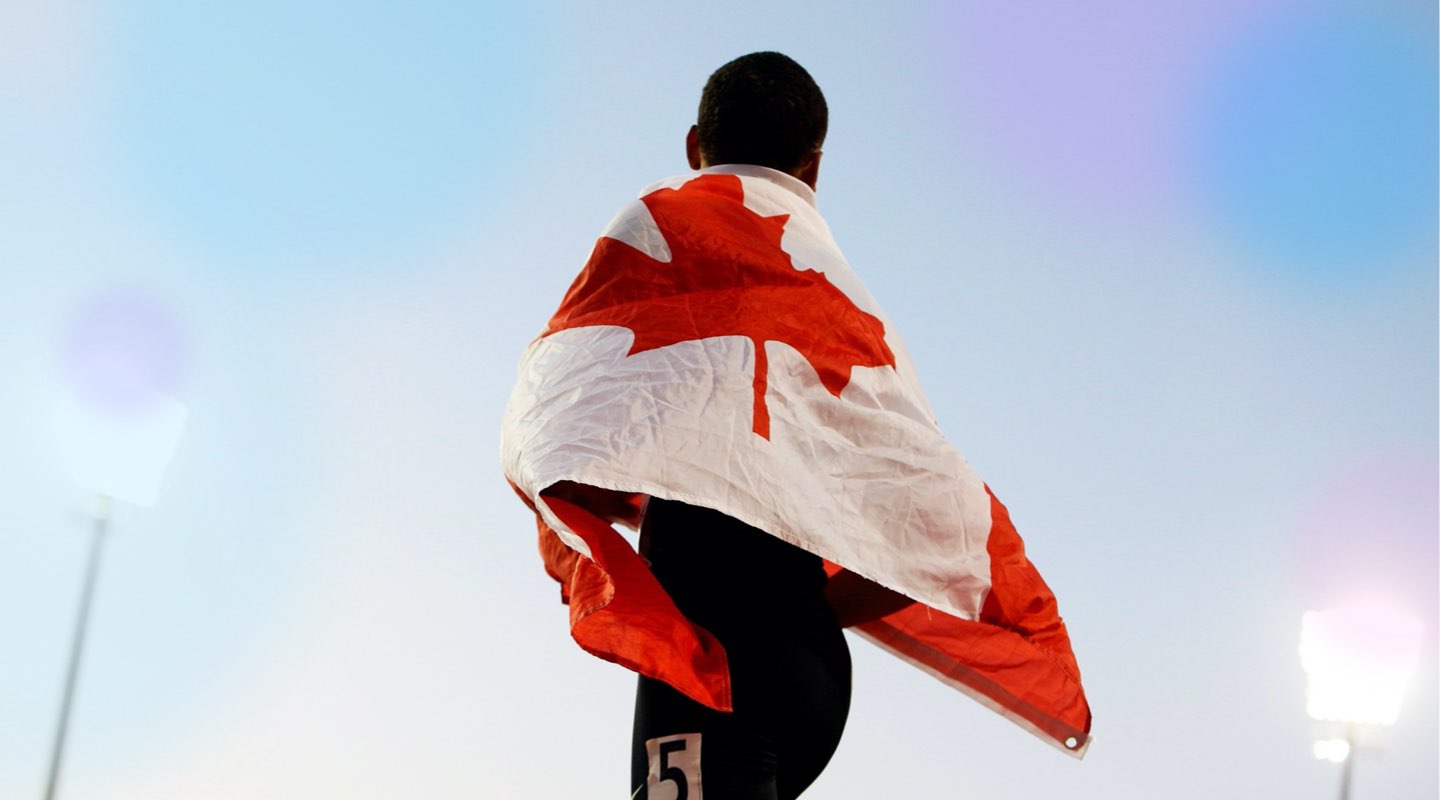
[[692, 147], [810, 172]]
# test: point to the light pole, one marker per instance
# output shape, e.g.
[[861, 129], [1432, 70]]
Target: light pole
[[118, 456], [1348, 768], [101, 522], [118, 429], [1358, 659]]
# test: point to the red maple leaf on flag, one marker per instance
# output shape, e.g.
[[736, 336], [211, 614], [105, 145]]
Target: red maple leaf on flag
[[727, 276]]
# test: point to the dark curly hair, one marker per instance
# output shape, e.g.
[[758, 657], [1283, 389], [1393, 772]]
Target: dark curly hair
[[762, 108]]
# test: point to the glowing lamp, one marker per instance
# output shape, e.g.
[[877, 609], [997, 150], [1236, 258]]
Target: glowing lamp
[[1358, 660], [1333, 750], [120, 453]]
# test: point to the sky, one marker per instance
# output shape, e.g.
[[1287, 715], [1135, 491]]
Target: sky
[[1168, 273]]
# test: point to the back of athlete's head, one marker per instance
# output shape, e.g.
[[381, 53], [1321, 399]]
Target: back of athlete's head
[[762, 108]]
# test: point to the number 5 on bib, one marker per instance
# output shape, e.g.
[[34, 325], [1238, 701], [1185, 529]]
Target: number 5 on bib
[[674, 768]]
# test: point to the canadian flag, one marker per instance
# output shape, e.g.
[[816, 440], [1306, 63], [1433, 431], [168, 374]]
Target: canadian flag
[[718, 350]]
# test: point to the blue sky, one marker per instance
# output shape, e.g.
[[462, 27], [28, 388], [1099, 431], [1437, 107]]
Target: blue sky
[[1169, 277]]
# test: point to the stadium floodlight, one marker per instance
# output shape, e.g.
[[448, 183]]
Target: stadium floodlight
[[120, 453], [1358, 660], [118, 430], [1333, 750]]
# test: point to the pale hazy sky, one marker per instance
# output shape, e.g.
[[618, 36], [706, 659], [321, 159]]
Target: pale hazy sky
[[1168, 272]]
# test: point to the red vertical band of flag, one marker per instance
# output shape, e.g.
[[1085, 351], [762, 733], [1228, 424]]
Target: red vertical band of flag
[[1015, 659], [619, 612]]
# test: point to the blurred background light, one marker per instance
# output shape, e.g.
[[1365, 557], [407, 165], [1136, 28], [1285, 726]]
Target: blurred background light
[[1358, 660], [116, 420], [120, 454], [123, 348], [1333, 750], [1083, 103], [1317, 144], [1369, 528]]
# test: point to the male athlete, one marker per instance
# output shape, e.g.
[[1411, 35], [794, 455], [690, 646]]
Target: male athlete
[[719, 377]]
